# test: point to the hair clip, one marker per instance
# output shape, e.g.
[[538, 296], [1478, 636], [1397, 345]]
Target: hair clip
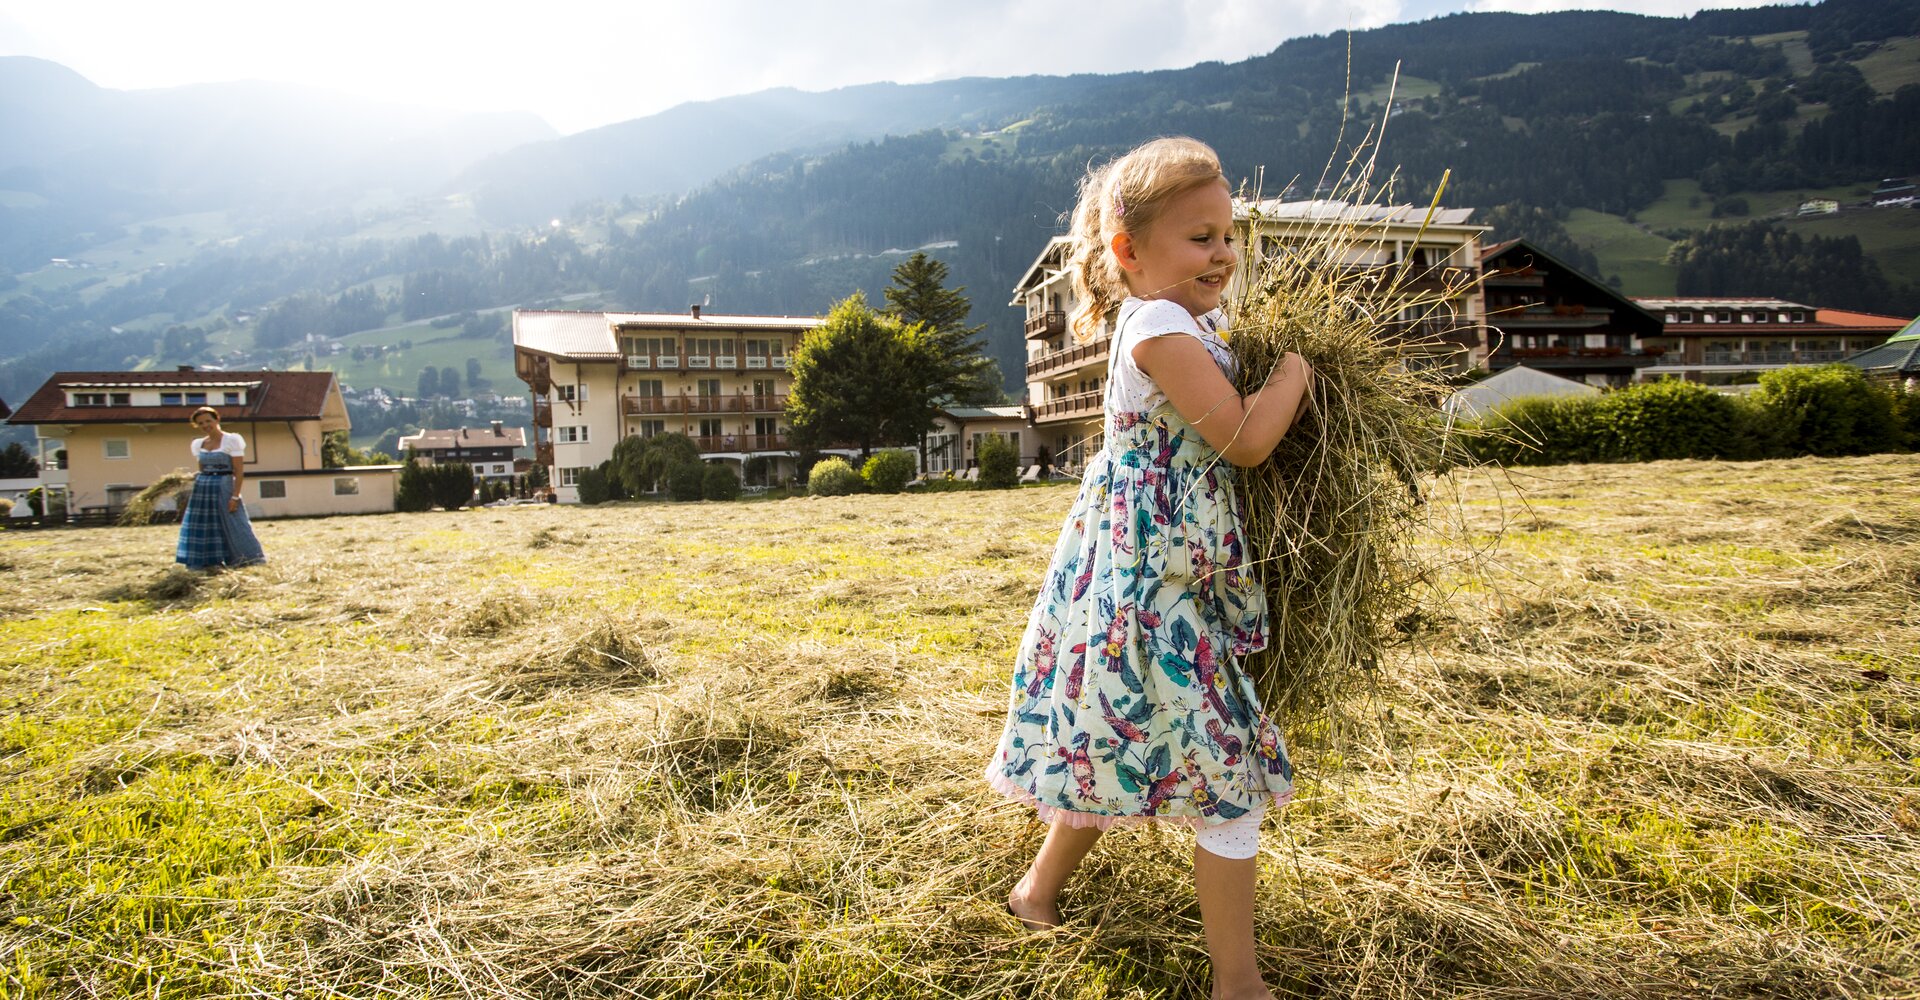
[[1119, 207]]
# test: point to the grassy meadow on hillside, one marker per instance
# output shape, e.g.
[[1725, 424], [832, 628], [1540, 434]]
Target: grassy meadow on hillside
[[1663, 745]]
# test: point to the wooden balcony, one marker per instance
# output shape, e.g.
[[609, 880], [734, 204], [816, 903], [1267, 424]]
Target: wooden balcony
[[533, 370], [1072, 357], [1585, 358], [640, 406], [1051, 323], [543, 453], [542, 412], [1085, 404], [711, 443], [1770, 357], [1555, 316]]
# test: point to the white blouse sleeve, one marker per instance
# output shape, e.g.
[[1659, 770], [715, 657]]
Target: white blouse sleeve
[[233, 444]]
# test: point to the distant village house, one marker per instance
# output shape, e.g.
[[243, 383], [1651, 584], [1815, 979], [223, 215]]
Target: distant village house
[[491, 450], [104, 436]]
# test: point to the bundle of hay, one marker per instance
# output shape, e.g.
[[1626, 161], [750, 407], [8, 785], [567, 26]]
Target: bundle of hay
[[1334, 515], [177, 484]]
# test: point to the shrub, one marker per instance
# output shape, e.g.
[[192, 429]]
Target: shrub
[[593, 487], [6, 507], [1906, 412], [687, 481], [832, 477], [451, 484], [1533, 430], [888, 471], [1830, 410], [1665, 419], [415, 492], [720, 483], [999, 464]]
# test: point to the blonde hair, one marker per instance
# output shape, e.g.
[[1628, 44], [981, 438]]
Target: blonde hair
[[1125, 196], [205, 409]]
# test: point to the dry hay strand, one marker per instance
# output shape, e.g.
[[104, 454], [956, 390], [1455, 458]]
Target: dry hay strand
[[173, 585], [177, 485], [597, 654], [1339, 519]]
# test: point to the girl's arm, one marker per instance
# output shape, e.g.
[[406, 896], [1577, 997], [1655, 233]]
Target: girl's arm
[[1243, 429], [239, 477]]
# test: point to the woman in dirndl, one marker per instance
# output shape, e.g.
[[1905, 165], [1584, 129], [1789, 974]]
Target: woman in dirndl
[[215, 530]]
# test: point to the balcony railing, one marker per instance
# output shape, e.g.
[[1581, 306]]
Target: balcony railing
[[1574, 315], [1077, 405], [710, 443], [724, 360], [542, 412], [1072, 357], [1775, 357], [543, 453], [640, 406], [1051, 323]]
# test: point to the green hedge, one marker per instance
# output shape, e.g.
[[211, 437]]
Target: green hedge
[[832, 477], [1829, 410], [888, 471]]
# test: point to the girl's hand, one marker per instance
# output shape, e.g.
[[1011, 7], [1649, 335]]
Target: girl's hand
[[233, 504], [1293, 366]]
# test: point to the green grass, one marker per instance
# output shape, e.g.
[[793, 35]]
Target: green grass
[[1660, 745], [1890, 235], [399, 371], [1893, 64], [1638, 257], [1407, 88], [1794, 45]]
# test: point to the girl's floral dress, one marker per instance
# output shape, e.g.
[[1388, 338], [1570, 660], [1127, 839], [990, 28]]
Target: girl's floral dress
[[1128, 701]]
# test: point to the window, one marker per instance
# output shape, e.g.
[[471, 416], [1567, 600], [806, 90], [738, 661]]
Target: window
[[1726, 316], [120, 399], [570, 393], [1759, 317], [710, 428], [1673, 317], [118, 448], [707, 386], [1799, 317], [1686, 315], [346, 486], [652, 428], [230, 399], [89, 399], [196, 399], [272, 489], [570, 474], [570, 434]]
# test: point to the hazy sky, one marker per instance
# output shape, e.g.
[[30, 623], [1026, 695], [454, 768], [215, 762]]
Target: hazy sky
[[579, 64]]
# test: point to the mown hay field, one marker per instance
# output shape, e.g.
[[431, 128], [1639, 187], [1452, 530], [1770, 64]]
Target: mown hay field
[[1660, 744]]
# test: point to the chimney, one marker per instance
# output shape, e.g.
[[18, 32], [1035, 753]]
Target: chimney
[[184, 368], [696, 310], [498, 431]]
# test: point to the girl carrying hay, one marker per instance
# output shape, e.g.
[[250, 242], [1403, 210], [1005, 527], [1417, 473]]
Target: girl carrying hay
[[1129, 703]]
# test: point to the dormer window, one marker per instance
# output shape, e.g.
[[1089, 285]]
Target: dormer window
[[1726, 316], [1799, 317], [230, 399], [169, 399], [1759, 317], [1673, 317], [89, 399], [1706, 317]]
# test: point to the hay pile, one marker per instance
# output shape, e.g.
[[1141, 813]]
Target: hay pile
[[1334, 513], [177, 484]]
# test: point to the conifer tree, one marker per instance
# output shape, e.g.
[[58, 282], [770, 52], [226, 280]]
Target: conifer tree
[[960, 372]]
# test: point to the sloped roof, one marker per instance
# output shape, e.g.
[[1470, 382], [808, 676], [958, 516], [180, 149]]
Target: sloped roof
[[1900, 355], [1328, 210], [466, 437], [594, 336], [1510, 384], [1013, 412], [270, 396]]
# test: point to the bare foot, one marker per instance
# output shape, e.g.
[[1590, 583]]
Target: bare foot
[[1036, 915]]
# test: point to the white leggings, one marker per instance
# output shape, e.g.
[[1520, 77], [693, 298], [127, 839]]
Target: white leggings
[[1236, 839]]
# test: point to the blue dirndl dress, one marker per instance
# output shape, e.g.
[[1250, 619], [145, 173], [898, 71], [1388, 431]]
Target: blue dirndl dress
[[1129, 702], [209, 535]]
